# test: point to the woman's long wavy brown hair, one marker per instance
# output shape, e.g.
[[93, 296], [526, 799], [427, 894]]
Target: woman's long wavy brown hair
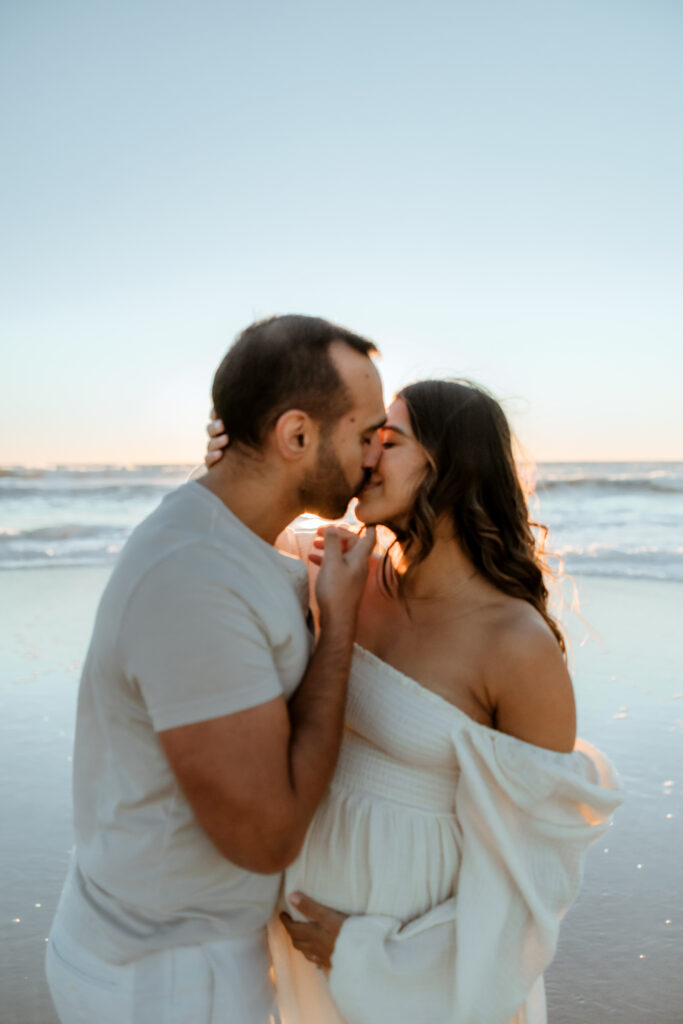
[[472, 478]]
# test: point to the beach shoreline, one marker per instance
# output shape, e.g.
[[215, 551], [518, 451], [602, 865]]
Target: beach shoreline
[[619, 951]]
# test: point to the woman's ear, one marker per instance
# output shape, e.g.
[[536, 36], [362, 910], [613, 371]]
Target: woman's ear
[[295, 435]]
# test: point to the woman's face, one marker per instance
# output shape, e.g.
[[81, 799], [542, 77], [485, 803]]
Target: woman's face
[[389, 496]]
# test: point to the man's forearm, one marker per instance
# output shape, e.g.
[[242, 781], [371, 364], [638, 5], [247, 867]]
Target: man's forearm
[[257, 810], [317, 718], [254, 778]]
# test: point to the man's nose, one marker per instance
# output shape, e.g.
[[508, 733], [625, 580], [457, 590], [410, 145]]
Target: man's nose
[[373, 453]]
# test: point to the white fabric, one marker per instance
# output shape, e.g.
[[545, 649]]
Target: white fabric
[[213, 983], [200, 618], [456, 848]]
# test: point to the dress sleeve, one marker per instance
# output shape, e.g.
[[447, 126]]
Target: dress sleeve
[[527, 816]]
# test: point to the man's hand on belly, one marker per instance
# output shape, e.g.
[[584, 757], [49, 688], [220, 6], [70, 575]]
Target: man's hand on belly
[[316, 937]]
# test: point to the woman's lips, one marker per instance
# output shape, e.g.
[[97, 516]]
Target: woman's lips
[[369, 487]]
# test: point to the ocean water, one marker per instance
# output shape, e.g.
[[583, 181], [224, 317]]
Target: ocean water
[[605, 519], [613, 519]]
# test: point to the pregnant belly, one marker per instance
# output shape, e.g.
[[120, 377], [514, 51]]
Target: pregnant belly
[[367, 854]]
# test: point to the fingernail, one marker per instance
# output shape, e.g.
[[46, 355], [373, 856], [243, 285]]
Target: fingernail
[[295, 899]]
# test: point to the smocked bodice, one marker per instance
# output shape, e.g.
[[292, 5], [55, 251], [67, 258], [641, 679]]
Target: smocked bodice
[[397, 742]]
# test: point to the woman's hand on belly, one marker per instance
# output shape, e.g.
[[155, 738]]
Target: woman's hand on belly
[[316, 937]]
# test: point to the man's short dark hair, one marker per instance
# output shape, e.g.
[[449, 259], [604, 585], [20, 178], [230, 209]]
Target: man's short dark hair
[[279, 364]]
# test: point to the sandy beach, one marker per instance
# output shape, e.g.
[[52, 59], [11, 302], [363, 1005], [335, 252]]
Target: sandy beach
[[619, 954]]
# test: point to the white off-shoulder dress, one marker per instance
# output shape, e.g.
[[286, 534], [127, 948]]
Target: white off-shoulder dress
[[456, 849]]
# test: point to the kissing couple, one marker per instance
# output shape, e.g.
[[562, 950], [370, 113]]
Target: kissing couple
[[318, 779]]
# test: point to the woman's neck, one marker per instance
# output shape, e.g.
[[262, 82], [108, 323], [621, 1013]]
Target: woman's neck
[[444, 573]]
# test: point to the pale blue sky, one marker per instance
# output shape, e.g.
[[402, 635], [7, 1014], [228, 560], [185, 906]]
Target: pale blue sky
[[485, 188]]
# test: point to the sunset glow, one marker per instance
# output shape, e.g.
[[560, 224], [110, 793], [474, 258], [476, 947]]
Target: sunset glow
[[490, 197]]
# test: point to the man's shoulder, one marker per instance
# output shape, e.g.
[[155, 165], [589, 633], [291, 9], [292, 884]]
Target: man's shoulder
[[184, 531], [188, 563], [191, 549], [168, 549]]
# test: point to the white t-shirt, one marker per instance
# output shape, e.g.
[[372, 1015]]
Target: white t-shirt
[[200, 618]]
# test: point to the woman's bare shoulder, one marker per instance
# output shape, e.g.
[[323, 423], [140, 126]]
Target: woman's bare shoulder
[[520, 630], [528, 680]]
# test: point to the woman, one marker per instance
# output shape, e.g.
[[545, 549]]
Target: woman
[[450, 841]]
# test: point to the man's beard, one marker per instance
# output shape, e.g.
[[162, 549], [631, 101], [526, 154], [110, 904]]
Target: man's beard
[[326, 490]]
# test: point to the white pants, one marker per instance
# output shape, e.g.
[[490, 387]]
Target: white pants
[[212, 983]]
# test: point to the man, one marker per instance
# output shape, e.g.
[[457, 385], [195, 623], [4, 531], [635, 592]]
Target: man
[[194, 780]]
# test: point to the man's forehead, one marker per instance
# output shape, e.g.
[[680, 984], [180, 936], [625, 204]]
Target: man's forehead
[[368, 400], [377, 423], [356, 369], [367, 420], [364, 386]]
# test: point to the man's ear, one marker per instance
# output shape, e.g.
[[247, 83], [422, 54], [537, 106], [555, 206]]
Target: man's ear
[[295, 435]]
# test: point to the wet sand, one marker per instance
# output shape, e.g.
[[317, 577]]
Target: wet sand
[[620, 947], [45, 621]]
